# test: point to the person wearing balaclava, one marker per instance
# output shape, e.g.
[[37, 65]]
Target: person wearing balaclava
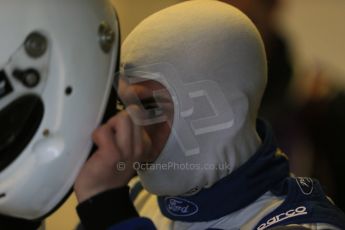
[[192, 79]]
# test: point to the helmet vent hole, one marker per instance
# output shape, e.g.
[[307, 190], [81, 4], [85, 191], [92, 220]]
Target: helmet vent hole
[[46, 132], [2, 195], [68, 90]]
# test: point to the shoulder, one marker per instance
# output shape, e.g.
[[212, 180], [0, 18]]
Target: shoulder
[[305, 203]]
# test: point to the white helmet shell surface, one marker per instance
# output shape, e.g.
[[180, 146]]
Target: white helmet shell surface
[[57, 62]]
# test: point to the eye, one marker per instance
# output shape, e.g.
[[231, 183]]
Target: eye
[[152, 109], [149, 103]]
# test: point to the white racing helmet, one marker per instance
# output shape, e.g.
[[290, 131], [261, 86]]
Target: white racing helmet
[[57, 62]]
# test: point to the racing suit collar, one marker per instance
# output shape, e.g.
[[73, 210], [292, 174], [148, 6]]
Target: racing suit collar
[[246, 184]]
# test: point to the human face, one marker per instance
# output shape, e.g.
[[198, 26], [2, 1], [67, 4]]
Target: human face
[[143, 95]]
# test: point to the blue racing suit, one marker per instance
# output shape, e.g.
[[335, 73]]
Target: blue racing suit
[[261, 194]]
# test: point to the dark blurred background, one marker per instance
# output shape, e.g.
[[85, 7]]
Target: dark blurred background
[[305, 99]]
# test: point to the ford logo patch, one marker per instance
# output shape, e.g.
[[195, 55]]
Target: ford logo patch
[[305, 184], [180, 207]]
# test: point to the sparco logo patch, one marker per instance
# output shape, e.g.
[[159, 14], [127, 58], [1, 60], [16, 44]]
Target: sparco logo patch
[[305, 184], [180, 207], [302, 210]]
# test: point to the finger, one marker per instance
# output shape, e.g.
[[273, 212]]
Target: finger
[[102, 136], [122, 126]]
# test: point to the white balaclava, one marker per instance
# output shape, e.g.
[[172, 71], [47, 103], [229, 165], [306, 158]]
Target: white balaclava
[[211, 59]]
